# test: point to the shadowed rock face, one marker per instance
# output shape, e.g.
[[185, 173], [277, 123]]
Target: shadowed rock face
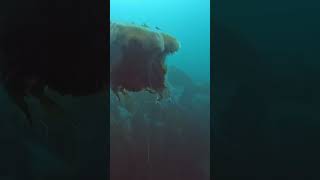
[[138, 56]]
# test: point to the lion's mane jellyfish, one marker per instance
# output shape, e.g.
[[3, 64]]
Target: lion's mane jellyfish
[[138, 58]]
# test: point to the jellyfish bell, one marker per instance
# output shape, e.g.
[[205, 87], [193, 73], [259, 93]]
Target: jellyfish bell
[[138, 58]]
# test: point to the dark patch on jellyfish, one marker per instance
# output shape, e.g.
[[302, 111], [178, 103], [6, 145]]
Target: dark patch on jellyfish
[[157, 72]]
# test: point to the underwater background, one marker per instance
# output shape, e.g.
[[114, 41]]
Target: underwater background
[[168, 139], [72, 144], [148, 139], [266, 97]]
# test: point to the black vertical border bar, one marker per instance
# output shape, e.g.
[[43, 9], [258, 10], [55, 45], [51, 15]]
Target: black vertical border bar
[[107, 30], [212, 60]]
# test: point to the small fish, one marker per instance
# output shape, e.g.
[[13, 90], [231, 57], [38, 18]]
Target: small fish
[[145, 25], [157, 28]]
